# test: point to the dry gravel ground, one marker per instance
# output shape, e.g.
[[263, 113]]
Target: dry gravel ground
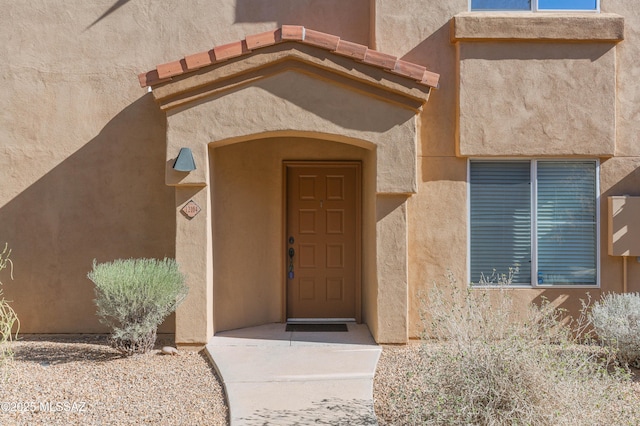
[[397, 364], [80, 380]]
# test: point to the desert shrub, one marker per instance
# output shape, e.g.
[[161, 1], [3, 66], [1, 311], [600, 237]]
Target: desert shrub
[[484, 362], [8, 317], [134, 296], [616, 321]]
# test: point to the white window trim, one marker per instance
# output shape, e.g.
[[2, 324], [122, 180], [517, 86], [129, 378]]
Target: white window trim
[[533, 161], [534, 8]]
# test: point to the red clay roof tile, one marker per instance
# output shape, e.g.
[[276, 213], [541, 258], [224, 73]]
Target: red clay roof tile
[[409, 69], [379, 59], [264, 39], [150, 78], [323, 40], [352, 50], [430, 79], [231, 50], [293, 32], [199, 60], [172, 68], [296, 33]]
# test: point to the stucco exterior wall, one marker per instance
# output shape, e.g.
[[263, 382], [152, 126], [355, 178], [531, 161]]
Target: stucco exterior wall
[[536, 99], [82, 147], [437, 212], [84, 160], [620, 175], [296, 103], [528, 93]]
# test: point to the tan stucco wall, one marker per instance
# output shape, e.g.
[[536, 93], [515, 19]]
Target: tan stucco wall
[[292, 102], [536, 99], [628, 96], [194, 253], [548, 27], [618, 176], [513, 93], [436, 214], [81, 158], [621, 175], [82, 147], [392, 320]]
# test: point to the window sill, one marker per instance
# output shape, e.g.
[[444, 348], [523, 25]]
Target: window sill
[[529, 26]]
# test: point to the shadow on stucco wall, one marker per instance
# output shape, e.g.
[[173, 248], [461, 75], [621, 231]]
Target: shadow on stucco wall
[[433, 50], [105, 201], [438, 54], [352, 23], [109, 11]]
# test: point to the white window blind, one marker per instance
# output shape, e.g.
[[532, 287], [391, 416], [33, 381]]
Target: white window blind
[[566, 217], [545, 226], [500, 204]]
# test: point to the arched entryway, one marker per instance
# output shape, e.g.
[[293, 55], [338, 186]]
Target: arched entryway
[[249, 232], [244, 119]]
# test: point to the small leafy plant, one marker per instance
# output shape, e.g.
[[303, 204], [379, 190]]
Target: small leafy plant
[[8, 317], [616, 321], [134, 296]]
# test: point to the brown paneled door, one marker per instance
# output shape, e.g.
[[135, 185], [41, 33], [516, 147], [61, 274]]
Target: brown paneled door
[[323, 240]]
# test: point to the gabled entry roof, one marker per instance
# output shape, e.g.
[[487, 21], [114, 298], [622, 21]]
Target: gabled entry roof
[[296, 34]]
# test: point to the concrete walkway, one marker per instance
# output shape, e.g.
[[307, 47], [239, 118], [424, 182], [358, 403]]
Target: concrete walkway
[[276, 377]]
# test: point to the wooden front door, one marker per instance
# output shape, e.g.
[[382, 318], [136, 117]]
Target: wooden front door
[[323, 240]]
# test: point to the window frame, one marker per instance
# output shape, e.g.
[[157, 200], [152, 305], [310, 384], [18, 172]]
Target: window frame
[[534, 8], [533, 193]]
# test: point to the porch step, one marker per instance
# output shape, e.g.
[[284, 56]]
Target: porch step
[[273, 376]]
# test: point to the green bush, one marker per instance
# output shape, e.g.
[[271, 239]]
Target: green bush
[[616, 321], [134, 296], [483, 361], [8, 317]]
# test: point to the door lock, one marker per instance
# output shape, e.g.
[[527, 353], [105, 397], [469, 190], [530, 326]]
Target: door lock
[[292, 253]]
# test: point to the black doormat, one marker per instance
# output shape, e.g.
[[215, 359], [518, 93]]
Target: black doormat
[[317, 327]]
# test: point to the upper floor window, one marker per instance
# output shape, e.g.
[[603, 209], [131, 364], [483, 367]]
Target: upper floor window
[[536, 5]]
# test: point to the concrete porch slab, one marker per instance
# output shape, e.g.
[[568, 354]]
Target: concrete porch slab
[[276, 377], [329, 402]]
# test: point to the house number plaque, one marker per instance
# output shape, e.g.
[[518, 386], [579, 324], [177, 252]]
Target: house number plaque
[[191, 209]]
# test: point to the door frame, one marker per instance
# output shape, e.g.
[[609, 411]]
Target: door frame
[[358, 234]]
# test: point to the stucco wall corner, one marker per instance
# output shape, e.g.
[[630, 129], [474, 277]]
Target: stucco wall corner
[[194, 317], [392, 269], [397, 152]]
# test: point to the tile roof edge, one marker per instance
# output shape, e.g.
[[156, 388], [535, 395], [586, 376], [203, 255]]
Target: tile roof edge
[[290, 33]]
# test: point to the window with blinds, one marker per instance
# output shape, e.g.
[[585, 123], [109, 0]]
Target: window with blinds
[[534, 5], [537, 219]]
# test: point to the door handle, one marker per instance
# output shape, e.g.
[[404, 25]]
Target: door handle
[[292, 253]]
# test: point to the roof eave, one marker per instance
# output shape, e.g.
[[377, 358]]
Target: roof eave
[[164, 73]]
